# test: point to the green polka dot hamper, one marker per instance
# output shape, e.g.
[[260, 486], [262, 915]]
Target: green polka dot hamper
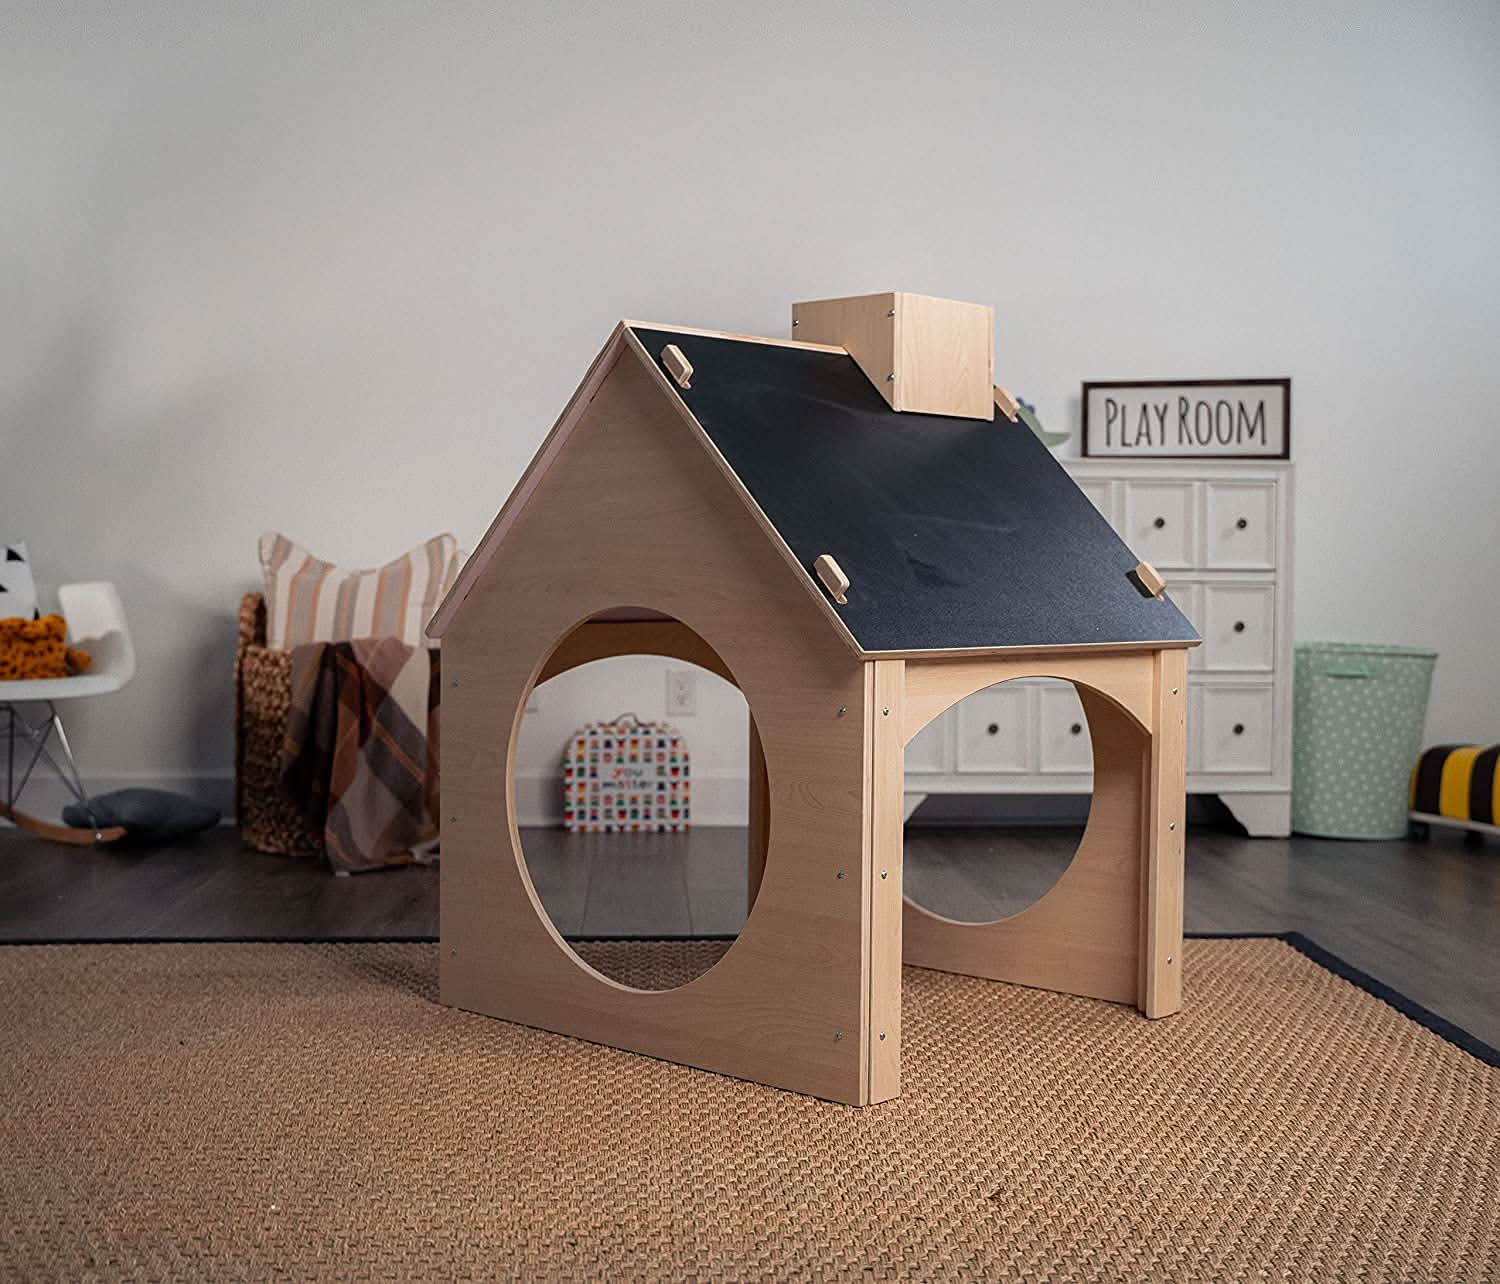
[[1357, 729]]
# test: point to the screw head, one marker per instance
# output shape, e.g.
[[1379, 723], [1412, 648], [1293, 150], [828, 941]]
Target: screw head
[[891, 378], [1169, 958], [453, 820], [1174, 690], [840, 873], [882, 873], [843, 709], [891, 313], [885, 711], [1171, 824], [837, 1035], [882, 1036], [795, 324], [454, 683]]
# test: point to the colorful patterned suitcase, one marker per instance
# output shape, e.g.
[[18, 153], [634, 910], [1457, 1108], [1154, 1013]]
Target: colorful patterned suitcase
[[626, 776]]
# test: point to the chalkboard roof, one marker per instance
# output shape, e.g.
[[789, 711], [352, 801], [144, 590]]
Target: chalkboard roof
[[955, 534]]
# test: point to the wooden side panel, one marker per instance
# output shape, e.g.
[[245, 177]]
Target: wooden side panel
[[945, 357], [1082, 936], [863, 325], [787, 1003], [1162, 842], [885, 794]]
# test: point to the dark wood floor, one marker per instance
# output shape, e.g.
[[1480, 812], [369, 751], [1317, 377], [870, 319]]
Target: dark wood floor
[[1424, 918]]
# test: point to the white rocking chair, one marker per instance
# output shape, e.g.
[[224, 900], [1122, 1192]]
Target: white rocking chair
[[96, 624]]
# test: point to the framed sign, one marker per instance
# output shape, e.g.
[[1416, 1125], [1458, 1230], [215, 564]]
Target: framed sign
[[1188, 419]]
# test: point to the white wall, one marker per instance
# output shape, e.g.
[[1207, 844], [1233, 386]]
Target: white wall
[[336, 268]]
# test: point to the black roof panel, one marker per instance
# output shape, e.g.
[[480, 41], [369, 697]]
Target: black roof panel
[[954, 533]]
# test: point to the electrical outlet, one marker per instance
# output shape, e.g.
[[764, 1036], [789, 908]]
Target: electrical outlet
[[682, 693]]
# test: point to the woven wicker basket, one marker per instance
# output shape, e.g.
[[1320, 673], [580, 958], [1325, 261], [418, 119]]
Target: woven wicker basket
[[268, 819]]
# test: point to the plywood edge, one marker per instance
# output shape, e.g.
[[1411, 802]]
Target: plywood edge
[[550, 448], [884, 795], [804, 574], [737, 338], [1163, 822], [1029, 649]]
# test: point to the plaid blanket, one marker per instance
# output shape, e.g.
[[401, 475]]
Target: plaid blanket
[[361, 752]]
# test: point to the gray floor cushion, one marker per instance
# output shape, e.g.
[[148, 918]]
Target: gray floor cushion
[[153, 815]]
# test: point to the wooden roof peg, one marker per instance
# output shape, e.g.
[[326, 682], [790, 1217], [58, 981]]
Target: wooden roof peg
[[1006, 404], [678, 366], [833, 577], [1149, 579]]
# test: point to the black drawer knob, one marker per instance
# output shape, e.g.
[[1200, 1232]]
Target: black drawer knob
[[993, 729], [1076, 729], [1239, 626], [1159, 522], [1239, 728], [1241, 524]]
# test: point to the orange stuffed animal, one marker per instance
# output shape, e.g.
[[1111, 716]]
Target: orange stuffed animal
[[38, 649]]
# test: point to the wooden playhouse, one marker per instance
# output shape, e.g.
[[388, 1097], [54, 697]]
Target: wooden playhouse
[[846, 528]]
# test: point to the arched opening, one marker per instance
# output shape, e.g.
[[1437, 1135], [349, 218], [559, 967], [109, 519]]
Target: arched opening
[[1009, 775], [628, 780]]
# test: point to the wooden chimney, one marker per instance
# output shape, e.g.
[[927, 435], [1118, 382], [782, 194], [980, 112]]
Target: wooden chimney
[[926, 355]]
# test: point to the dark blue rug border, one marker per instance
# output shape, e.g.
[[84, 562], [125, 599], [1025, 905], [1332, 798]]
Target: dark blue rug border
[[1440, 1026], [1326, 959]]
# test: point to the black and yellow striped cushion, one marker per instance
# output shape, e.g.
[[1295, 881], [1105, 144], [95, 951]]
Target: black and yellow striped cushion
[[1457, 781]]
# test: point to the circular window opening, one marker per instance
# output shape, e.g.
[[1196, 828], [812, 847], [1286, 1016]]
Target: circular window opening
[[1008, 775], [632, 809]]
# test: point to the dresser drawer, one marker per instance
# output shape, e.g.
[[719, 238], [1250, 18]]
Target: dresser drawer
[[994, 730], [1239, 627], [1235, 731], [1241, 525], [1159, 522], [1063, 743]]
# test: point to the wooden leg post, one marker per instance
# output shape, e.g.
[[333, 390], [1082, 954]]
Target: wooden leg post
[[1164, 819], [885, 822]]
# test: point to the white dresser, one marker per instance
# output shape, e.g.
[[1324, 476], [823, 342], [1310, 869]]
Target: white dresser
[[1221, 535]]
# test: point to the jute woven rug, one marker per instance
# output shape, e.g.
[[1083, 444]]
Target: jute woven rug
[[214, 1112]]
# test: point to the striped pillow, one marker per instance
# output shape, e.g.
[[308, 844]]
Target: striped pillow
[[312, 601]]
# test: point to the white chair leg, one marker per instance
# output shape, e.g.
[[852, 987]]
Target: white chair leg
[[35, 735], [67, 768]]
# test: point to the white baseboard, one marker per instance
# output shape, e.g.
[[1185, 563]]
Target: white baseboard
[[45, 796], [718, 799], [721, 798]]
